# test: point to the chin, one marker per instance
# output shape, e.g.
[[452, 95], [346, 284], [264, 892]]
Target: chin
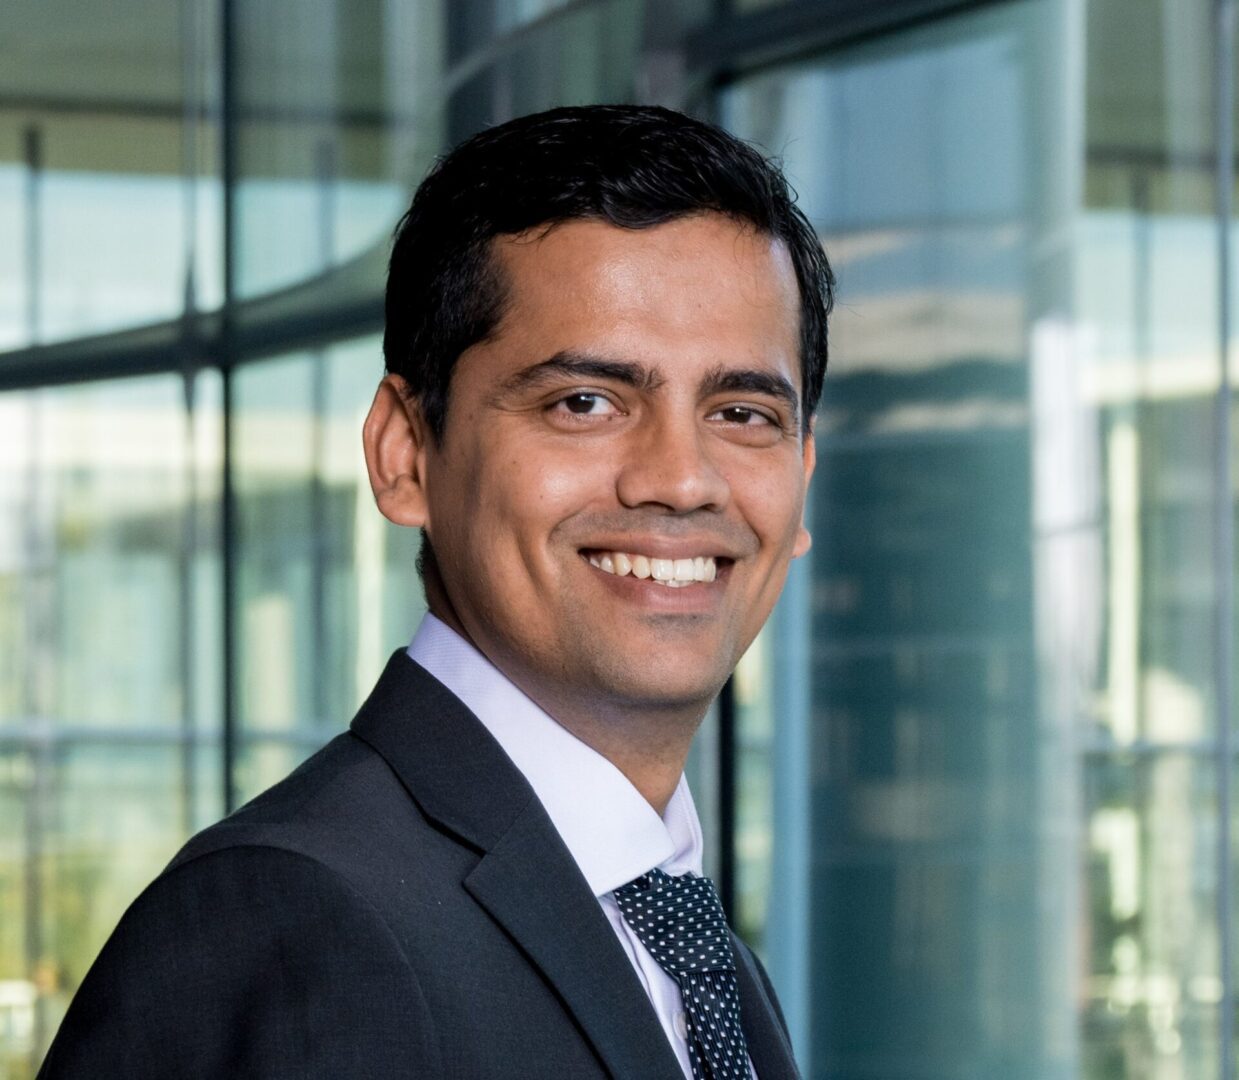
[[666, 690]]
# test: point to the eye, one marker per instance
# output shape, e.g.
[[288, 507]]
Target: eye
[[584, 403], [743, 414]]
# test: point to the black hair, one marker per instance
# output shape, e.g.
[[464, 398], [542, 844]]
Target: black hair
[[633, 166]]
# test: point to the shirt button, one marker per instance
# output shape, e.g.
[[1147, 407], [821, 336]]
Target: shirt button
[[681, 1026]]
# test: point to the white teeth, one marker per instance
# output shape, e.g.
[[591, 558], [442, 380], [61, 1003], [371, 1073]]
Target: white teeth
[[674, 573]]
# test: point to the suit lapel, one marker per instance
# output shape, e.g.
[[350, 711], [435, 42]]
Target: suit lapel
[[526, 879], [769, 1048], [532, 888]]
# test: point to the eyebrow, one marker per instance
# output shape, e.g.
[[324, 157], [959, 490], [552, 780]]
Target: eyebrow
[[719, 380], [577, 365]]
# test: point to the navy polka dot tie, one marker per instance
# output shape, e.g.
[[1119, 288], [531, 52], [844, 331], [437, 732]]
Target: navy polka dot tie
[[681, 922]]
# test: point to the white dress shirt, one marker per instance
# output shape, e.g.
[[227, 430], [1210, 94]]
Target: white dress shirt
[[612, 832]]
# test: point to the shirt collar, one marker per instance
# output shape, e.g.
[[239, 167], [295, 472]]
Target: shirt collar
[[611, 831]]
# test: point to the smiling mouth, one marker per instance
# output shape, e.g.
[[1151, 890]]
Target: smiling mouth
[[671, 573]]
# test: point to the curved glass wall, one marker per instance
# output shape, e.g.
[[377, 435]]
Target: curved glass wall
[[999, 804], [919, 157], [195, 589], [974, 774]]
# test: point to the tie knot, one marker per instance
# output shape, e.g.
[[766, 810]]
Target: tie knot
[[679, 920]]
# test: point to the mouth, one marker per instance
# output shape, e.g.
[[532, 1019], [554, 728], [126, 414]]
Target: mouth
[[669, 573]]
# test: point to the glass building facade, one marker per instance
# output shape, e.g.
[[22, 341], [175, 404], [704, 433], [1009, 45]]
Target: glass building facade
[[971, 791]]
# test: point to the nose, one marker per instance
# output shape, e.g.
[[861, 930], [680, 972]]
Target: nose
[[668, 464]]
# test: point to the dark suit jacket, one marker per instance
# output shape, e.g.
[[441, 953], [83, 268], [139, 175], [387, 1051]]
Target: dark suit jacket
[[400, 906]]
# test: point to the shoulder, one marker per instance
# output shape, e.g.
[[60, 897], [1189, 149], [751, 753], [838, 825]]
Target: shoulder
[[346, 810], [246, 959], [334, 787], [272, 936], [343, 808]]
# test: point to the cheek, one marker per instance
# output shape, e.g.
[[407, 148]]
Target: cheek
[[554, 479], [523, 495], [772, 501]]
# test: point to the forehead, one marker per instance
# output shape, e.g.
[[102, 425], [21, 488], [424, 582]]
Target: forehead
[[697, 283]]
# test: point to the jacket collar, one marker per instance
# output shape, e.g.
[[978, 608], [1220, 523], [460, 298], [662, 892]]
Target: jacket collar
[[526, 878], [613, 833]]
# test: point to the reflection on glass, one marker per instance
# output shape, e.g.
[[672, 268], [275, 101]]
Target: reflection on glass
[[1151, 976], [1010, 595], [326, 587], [1145, 374], [109, 669], [1129, 552], [589, 53], [15, 316], [917, 601], [510, 14], [335, 124], [110, 203]]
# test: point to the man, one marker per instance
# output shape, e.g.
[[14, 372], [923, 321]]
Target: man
[[606, 334]]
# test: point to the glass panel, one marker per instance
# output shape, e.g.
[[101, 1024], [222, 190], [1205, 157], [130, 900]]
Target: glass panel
[[109, 494], [326, 587], [336, 119], [602, 52], [109, 189], [470, 28], [109, 669], [591, 55], [1147, 368], [1151, 975], [754, 813], [17, 265]]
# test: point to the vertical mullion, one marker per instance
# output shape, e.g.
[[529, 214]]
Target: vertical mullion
[[32, 150], [229, 733], [226, 359], [727, 736], [1224, 540], [38, 596], [321, 538], [187, 555]]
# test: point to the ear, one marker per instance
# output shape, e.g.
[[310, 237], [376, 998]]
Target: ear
[[395, 439], [803, 540]]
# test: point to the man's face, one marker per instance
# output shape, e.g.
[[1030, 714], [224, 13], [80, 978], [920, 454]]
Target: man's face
[[634, 418]]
